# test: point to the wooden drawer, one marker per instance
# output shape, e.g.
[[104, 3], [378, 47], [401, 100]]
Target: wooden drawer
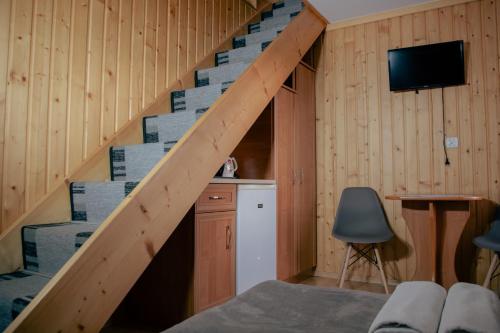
[[217, 198]]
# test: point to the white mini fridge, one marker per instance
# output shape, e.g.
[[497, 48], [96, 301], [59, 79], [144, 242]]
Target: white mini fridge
[[255, 235]]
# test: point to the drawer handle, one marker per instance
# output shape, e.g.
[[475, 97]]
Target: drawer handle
[[228, 237], [216, 197]]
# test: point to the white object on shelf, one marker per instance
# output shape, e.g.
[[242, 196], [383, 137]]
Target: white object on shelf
[[255, 235]]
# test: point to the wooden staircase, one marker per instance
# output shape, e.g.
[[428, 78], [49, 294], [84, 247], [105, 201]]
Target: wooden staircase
[[89, 287]]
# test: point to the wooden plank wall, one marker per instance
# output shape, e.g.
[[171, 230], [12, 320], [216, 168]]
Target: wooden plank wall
[[73, 72], [392, 142]]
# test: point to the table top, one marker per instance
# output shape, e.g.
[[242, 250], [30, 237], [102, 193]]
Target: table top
[[434, 197]]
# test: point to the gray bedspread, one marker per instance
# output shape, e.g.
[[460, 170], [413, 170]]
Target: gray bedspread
[[275, 306]]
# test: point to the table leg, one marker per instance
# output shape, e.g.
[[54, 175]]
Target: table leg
[[420, 217], [453, 218]]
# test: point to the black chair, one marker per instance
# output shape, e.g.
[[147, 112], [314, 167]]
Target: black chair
[[361, 220], [491, 241]]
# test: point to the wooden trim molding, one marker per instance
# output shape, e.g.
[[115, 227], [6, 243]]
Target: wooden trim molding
[[434, 4], [89, 287]]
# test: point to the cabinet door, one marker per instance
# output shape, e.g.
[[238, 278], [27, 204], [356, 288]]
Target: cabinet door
[[305, 169], [284, 103], [214, 259]]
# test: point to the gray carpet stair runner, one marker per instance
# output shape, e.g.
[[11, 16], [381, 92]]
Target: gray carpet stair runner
[[224, 74], [46, 247]]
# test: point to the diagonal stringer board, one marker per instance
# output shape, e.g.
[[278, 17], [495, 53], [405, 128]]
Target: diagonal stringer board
[[89, 287]]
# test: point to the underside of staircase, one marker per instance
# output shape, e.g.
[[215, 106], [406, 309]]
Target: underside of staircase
[[76, 273]]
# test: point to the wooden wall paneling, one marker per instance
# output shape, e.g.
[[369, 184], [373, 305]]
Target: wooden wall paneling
[[209, 7], [230, 17], [338, 121], [236, 14], [222, 20], [349, 119], [374, 148], [423, 116], [405, 130], [496, 154], [320, 87], [161, 46], [450, 101], [17, 105], [490, 52], [491, 86], [94, 77], [59, 93], [36, 181], [182, 46], [479, 120], [387, 162], [360, 57], [80, 70], [149, 73], [55, 206], [5, 25], [480, 163], [215, 22], [330, 262], [109, 74], [399, 167], [464, 111], [123, 74], [200, 29], [137, 58], [77, 98], [436, 95], [242, 12], [411, 149], [191, 33], [173, 27]]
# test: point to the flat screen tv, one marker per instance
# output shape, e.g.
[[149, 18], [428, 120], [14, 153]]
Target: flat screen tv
[[427, 66]]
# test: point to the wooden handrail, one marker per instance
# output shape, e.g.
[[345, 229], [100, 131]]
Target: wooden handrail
[[89, 287]]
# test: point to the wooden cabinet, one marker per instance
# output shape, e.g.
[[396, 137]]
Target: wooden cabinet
[[215, 251], [295, 138]]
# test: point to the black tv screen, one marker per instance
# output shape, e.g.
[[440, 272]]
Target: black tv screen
[[427, 66]]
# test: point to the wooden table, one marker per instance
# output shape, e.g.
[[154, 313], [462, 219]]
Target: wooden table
[[436, 223]]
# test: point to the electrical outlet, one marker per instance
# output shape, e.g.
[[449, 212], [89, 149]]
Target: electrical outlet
[[452, 142]]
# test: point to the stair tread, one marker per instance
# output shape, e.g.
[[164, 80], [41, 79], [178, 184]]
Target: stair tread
[[169, 127], [242, 54], [257, 37], [220, 74], [133, 162], [197, 98], [271, 23], [20, 286], [291, 7], [46, 247], [94, 201]]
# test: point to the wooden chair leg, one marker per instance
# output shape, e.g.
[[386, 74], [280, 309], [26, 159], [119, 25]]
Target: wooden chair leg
[[493, 265], [346, 263], [381, 269]]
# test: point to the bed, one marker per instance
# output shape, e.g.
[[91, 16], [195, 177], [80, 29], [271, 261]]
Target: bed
[[275, 306]]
